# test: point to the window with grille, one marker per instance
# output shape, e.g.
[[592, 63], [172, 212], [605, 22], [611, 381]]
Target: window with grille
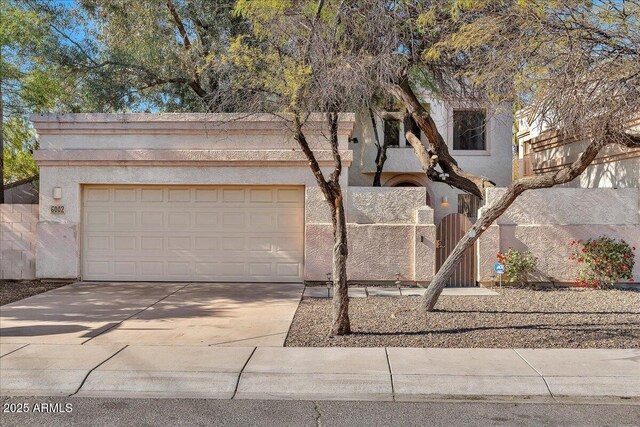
[[392, 132], [469, 130], [468, 204]]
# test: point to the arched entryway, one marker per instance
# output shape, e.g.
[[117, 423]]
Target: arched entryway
[[408, 181], [448, 234]]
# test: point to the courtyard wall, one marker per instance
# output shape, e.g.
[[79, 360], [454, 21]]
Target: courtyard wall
[[390, 231], [546, 221]]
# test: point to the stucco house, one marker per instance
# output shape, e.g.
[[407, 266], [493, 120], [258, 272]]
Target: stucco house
[[541, 150], [201, 197]]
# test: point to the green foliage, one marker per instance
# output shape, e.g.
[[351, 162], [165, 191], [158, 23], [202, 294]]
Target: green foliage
[[29, 83], [603, 261], [148, 57], [518, 265], [19, 143]]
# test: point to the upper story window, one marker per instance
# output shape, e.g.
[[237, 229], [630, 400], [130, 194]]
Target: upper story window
[[391, 132], [469, 131]]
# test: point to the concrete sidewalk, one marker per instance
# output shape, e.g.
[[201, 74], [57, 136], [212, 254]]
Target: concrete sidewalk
[[402, 374]]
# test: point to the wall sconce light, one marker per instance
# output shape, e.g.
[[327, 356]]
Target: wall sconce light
[[57, 193], [444, 202]]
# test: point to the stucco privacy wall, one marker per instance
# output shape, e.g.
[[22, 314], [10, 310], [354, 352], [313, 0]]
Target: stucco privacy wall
[[18, 241], [546, 221], [384, 232]]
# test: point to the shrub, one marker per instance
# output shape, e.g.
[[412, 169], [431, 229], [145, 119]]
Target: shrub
[[517, 265], [603, 261]]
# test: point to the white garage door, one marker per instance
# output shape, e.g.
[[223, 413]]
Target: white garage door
[[204, 233]]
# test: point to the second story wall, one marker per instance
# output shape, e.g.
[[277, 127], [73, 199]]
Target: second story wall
[[402, 167]]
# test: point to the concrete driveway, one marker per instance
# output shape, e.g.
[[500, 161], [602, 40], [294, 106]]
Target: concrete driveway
[[228, 314]]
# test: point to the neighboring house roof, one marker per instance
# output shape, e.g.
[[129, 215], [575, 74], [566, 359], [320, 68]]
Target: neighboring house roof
[[24, 191], [20, 182]]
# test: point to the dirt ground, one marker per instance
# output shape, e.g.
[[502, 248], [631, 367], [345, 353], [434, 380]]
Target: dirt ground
[[558, 318], [15, 290]]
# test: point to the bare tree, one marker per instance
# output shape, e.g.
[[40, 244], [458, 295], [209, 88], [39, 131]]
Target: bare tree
[[302, 59]]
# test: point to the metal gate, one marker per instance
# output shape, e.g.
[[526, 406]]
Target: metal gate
[[448, 233]]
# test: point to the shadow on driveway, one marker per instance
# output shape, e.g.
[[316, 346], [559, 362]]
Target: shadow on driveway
[[154, 313]]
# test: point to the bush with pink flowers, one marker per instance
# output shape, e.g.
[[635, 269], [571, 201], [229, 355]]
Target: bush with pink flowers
[[603, 261]]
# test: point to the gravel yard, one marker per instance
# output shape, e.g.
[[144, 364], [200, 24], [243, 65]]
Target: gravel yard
[[15, 290], [558, 318]]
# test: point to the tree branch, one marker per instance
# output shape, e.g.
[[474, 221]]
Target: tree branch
[[313, 162], [332, 117], [427, 158], [452, 174], [493, 212], [181, 29], [186, 43]]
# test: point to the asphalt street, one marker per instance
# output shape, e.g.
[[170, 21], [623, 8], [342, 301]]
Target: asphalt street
[[69, 411]]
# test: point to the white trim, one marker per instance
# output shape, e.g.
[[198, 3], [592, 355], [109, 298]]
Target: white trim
[[487, 138]]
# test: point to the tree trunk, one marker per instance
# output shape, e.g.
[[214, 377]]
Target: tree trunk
[[341, 323], [381, 151], [333, 195], [493, 212]]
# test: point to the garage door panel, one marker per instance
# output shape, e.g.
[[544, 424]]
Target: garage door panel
[[179, 219], [233, 195], [179, 195], [151, 195], [124, 195], [123, 243], [206, 218], [290, 196], [289, 269], [97, 194], [206, 195], [150, 268], [222, 233]]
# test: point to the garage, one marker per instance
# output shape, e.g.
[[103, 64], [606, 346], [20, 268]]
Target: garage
[[193, 233]]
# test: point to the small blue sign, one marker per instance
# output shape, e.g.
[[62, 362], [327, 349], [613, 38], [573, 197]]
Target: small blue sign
[[498, 268]]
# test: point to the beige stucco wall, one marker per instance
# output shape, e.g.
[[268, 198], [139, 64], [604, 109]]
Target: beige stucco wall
[[18, 241], [163, 149], [571, 206], [546, 221], [385, 224], [384, 232], [175, 131]]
